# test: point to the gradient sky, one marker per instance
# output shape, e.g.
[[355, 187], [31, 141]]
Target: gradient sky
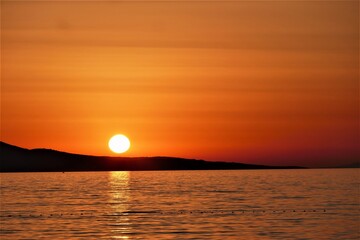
[[270, 82]]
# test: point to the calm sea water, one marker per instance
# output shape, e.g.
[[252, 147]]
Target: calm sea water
[[241, 204]]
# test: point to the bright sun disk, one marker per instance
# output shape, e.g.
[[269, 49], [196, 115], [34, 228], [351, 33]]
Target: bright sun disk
[[119, 143]]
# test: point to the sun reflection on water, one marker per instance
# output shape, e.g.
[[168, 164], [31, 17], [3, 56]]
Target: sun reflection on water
[[119, 199]]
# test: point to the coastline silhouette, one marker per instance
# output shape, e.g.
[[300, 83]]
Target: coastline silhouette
[[17, 159]]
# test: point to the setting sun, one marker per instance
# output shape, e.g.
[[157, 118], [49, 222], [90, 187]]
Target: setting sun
[[119, 143]]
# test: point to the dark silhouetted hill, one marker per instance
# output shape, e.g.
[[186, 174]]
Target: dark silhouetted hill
[[16, 159]]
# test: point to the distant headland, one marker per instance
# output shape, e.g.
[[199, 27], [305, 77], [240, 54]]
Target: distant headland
[[17, 159]]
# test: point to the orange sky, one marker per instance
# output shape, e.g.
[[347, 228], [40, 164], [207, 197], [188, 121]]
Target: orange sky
[[271, 82]]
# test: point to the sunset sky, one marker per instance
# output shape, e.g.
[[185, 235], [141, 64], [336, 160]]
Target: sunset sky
[[265, 82]]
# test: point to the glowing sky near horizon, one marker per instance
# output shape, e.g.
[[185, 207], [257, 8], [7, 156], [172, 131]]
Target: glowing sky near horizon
[[270, 82]]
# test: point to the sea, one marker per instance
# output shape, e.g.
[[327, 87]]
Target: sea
[[223, 204]]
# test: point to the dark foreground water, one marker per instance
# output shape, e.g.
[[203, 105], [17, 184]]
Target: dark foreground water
[[241, 204]]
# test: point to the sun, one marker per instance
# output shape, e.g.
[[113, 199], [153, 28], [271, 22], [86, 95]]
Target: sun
[[119, 143]]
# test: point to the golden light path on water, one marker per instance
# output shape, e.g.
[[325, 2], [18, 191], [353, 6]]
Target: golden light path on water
[[119, 196]]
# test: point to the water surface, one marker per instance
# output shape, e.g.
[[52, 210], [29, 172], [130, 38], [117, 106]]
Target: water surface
[[235, 204]]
